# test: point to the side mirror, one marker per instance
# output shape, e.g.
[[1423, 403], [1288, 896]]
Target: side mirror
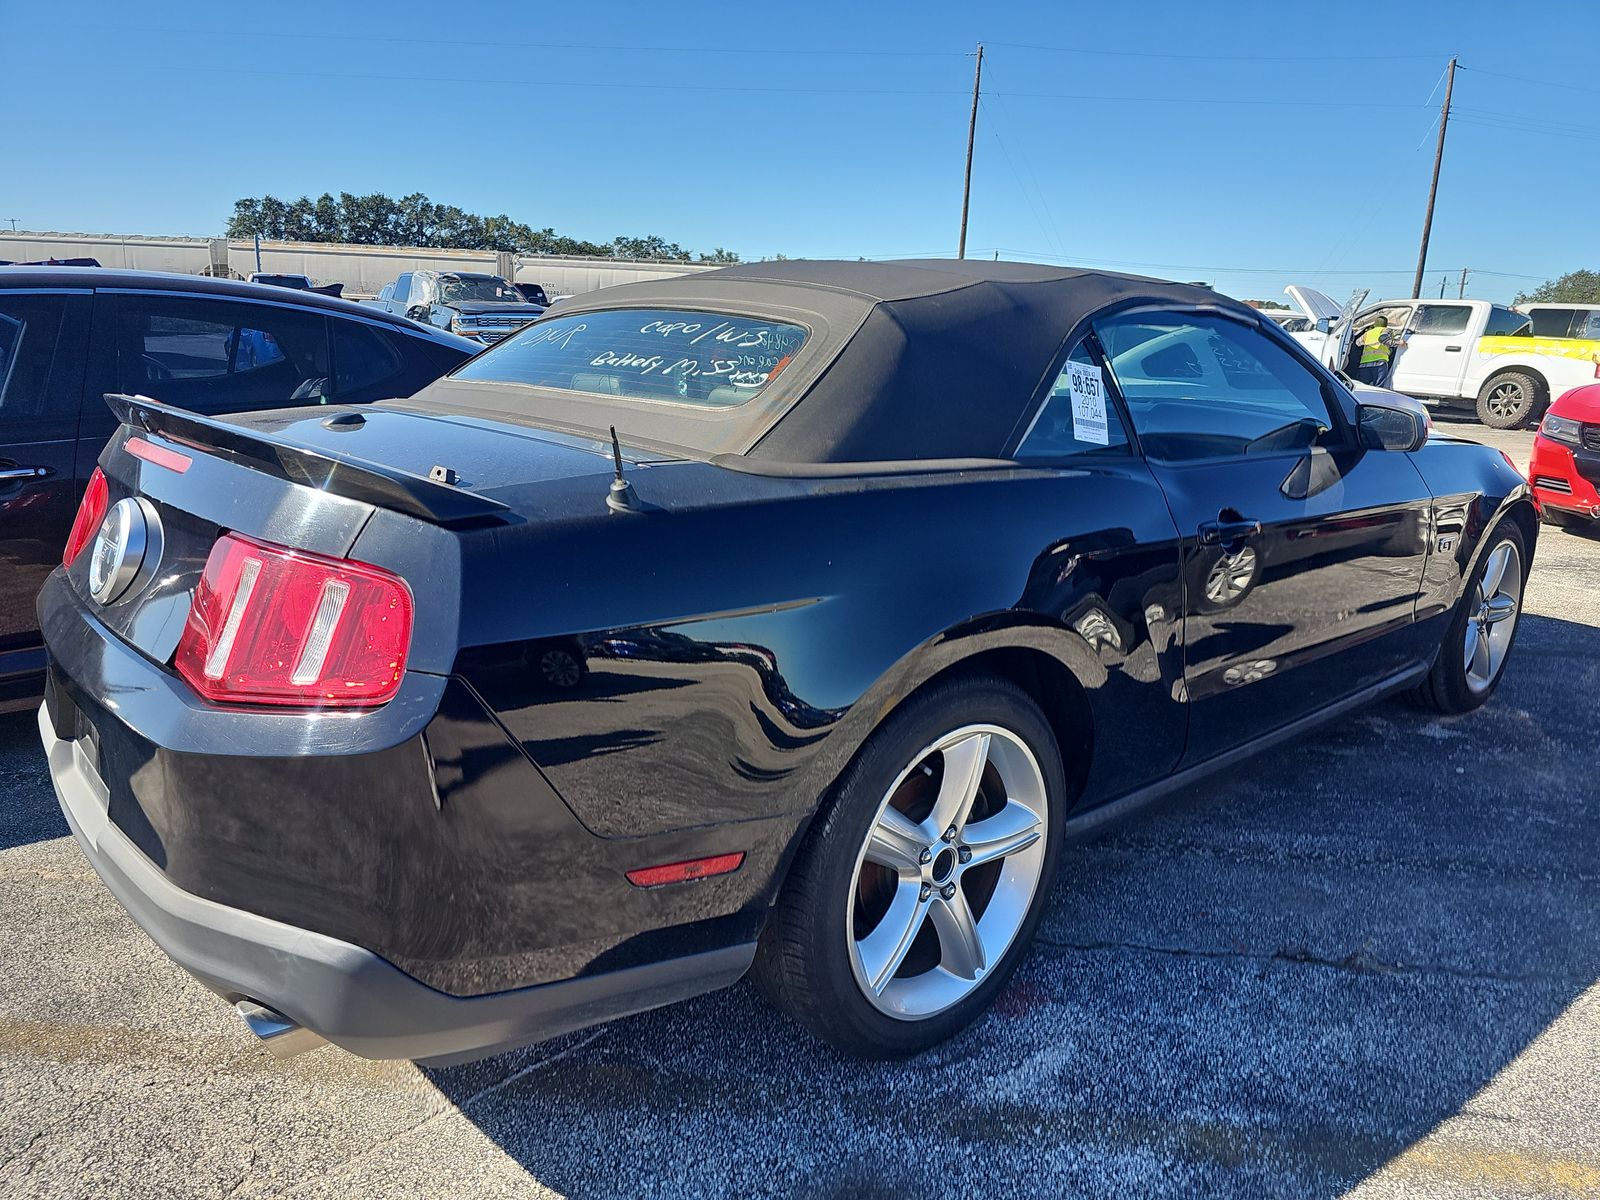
[[1381, 427], [418, 312], [1324, 325]]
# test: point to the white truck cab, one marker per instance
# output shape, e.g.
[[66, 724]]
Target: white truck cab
[[1460, 352]]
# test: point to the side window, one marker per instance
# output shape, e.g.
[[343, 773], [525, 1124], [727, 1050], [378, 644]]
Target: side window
[[1397, 315], [30, 329], [402, 289], [1552, 322], [1503, 322], [1199, 386], [214, 355], [1442, 319], [1587, 325], [1062, 428], [377, 364]]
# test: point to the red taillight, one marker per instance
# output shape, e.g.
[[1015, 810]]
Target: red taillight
[[679, 872], [270, 625], [159, 455], [91, 511]]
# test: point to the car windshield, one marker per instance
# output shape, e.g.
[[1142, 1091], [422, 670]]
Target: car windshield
[[490, 290], [714, 360]]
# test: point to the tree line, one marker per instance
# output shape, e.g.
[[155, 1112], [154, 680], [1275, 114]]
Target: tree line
[[414, 220], [1575, 287]]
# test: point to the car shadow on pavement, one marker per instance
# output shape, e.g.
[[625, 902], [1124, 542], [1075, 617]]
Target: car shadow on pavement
[[1274, 985], [28, 810]]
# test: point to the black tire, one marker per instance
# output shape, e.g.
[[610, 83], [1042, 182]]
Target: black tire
[[804, 961], [1509, 400], [561, 668], [1446, 689]]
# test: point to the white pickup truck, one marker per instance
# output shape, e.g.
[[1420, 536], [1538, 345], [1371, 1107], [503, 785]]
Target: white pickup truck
[[1461, 352]]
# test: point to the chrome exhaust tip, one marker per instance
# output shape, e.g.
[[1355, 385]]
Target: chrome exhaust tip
[[277, 1032]]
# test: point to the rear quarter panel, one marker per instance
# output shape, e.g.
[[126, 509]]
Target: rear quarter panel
[[741, 640]]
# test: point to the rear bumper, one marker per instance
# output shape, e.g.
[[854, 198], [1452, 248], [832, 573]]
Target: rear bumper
[[1565, 478], [350, 996]]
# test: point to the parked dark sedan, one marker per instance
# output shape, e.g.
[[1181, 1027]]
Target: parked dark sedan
[[430, 728], [68, 336]]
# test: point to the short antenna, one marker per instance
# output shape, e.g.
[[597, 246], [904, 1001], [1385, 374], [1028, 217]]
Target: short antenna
[[621, 497]]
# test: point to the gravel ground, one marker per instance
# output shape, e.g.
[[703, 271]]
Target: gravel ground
[[1365, 964]]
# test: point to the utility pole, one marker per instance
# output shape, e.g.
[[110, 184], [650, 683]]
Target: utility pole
[[972, 137], [13, 221], [1444, 280], [1433, 188], [1461, 292]]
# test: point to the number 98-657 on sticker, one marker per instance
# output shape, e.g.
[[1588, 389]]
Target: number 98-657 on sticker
[[1088, 404]]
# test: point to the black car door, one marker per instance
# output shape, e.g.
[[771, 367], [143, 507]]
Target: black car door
[[42, 341], [1303, 553]]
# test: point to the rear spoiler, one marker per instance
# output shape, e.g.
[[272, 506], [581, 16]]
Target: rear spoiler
[[339, 474]]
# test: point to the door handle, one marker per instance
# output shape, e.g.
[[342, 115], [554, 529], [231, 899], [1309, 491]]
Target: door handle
[[1217, 533], [7, 474], [1452, 349]]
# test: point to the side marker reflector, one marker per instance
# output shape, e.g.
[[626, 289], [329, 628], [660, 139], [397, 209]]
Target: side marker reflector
[[679, 872]]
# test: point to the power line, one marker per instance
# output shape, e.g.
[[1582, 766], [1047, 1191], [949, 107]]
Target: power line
[[1530, 121], [1503, 127], [497, 44], [1218, 269], [1218, 57], [1022, 185], [1187, 100], [1569, 87], [563, 83]]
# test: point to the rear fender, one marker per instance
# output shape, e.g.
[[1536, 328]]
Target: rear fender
[[937, 656]]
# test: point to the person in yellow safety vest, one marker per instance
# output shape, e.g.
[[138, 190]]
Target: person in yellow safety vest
[[1377, 348]]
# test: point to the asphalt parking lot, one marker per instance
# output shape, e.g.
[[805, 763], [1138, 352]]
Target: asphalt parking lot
[[1364, 964]]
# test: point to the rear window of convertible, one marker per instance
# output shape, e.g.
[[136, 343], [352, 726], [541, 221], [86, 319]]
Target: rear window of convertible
[[713, 360]]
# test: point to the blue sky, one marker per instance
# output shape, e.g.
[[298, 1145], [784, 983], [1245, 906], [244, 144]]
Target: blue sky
[[1252, 145]]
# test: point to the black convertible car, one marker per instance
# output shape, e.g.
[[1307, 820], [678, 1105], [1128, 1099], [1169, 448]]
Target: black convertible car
[[443, 724]]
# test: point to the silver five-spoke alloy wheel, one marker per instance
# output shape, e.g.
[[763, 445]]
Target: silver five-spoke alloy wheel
[[1492, 617], [948, 872]]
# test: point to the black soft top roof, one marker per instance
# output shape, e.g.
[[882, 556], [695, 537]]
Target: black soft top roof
[[916, 359]]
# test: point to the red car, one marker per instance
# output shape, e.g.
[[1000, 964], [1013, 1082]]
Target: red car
[[1565, 470]]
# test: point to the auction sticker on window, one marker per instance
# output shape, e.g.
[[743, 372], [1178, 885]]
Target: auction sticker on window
[[1088, 404]]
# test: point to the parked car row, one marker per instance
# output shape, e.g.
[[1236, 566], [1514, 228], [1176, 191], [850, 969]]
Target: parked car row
[[788, 617], [69, 336]]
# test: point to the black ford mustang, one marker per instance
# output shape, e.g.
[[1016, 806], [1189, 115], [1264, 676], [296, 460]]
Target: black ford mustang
[[444, 724]]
